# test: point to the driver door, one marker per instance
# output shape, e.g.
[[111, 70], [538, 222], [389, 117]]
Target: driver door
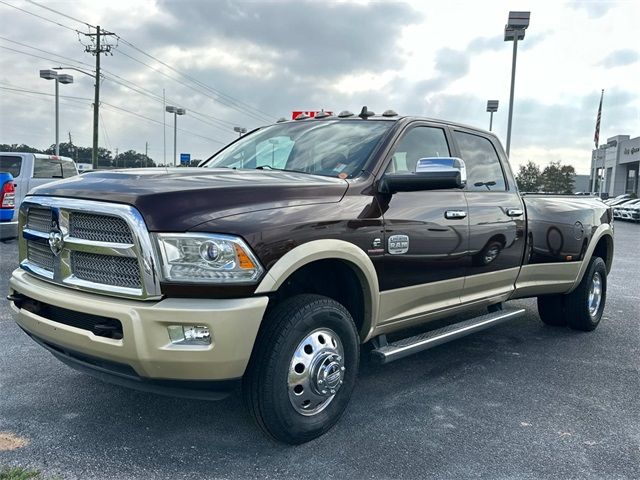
[[426, 234]]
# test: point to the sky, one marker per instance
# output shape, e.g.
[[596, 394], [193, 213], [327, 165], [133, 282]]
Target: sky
[[236, 63]]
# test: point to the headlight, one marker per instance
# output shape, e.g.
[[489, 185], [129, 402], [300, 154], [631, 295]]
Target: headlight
[[206, 258]]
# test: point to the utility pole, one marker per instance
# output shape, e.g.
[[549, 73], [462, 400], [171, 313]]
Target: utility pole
[[71, 148], [115, 159], [96, 48], [146, 154]]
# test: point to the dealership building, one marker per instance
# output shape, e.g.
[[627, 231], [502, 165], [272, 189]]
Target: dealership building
[[616, 164]]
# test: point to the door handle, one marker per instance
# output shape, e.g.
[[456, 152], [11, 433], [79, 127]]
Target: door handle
[[515, 212], [455, 214]]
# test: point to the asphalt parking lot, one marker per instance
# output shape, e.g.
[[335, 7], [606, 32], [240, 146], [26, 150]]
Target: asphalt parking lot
[[522, 400]]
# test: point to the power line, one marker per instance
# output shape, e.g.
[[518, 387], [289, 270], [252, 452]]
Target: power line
[[224, 125], [22, 90], [39, 16], [104, 131], [199, 90], [222, 98], [68, 59], [231, 101], [14, 88], [60, 13], [160, 123]]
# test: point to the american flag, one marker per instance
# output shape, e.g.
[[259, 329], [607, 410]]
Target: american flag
[[596, 137]]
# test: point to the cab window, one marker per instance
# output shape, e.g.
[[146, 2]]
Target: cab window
[[11, 164], [484, 172], [47, 168], [419, 142], [68, 169]]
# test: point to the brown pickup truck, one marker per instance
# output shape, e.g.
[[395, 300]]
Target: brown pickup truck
[[272, 263]]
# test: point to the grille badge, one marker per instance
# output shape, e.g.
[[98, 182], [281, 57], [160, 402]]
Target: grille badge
[[56, 242]]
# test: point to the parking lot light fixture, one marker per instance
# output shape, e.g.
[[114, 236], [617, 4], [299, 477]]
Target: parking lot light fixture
[[517, 23], [176, 111], [59, 78], [492, 107], [240, 130]]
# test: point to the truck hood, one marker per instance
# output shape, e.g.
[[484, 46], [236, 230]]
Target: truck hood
[[178, 199]]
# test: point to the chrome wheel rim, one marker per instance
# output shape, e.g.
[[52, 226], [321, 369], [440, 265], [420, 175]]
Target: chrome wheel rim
[[316, 372], [595, 295]]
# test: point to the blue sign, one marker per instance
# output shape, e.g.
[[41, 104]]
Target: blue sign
[[185, 158]]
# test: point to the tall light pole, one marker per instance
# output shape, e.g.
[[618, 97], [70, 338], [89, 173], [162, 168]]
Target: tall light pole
[[59, 78], [240, 130], [514, 31], [176, 111], [492, 106]]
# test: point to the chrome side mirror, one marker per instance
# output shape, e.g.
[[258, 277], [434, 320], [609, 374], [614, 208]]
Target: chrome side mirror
[[443, 165]]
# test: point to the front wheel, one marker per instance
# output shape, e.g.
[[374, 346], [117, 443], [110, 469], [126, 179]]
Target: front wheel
[[303, 368]]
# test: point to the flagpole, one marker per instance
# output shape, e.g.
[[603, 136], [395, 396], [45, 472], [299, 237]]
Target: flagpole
[[596, 139]]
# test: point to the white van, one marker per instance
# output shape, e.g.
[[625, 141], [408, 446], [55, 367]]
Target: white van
[[32, 169]]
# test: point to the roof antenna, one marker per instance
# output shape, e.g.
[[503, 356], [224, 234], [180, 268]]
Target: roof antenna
[[364, 113]]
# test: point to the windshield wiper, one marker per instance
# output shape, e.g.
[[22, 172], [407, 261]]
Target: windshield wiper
[[262, 167]]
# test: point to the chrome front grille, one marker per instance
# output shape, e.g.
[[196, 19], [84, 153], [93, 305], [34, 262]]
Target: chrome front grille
[[99, 228], [39, 219], [87, 245], [107, 270], [40, 255]]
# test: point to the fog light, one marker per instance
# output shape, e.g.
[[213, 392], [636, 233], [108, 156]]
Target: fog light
[[189, 335]]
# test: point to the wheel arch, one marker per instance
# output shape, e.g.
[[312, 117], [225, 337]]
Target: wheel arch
[[602, 246], [318, 251]]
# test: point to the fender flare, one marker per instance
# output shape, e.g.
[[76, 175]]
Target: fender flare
[[604, 230], [324, 250]]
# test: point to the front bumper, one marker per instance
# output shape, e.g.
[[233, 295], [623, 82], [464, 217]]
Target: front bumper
[[145, 348]]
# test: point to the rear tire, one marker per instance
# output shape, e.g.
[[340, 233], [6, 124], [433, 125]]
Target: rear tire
[[585, 305], [303, 368]]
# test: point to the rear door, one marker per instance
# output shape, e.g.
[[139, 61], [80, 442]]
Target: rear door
[[16, 166], [496, 217], [425, 242]]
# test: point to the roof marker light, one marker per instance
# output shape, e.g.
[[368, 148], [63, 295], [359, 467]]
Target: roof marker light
[[345, 114], [389, 113]]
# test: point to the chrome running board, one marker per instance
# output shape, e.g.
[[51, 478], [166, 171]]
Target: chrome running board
[[385, 353]]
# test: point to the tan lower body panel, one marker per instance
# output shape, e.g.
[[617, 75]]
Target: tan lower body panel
[[408, 302], [546, 278], [430, 316], [483, 285], [145, 346]]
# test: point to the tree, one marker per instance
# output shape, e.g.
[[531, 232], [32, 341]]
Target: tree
[[558, 178], [5, 147], [82, 154], [133, 159], [529, 177]]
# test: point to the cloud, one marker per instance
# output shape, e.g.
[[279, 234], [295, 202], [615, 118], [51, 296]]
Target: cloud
[[485, 44], [309, 38], [620, 58], [595, 9]]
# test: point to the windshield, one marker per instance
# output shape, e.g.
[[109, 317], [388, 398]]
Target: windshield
[[334, 148]]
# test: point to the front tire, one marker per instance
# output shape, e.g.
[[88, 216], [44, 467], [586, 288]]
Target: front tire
[[303, 368]]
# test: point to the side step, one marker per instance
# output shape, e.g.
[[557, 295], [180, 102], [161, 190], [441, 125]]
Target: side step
[[408, 346]]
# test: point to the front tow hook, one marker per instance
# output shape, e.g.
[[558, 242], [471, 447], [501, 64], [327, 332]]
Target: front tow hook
[[17, 298]]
